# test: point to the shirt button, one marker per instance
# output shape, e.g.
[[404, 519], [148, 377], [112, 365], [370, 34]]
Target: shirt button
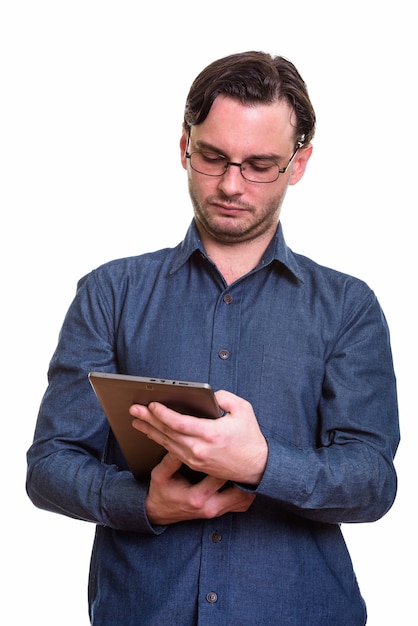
[[212, 597], [223, 354], [216, 537], [227, 298]]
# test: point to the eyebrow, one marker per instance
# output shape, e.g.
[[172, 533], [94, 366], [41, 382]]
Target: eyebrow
[[271, 156]]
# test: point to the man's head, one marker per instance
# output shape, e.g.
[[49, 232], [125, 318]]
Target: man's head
[[252, 78], [246, 137]]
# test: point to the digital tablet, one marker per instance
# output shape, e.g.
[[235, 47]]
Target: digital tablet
[[117, 392]]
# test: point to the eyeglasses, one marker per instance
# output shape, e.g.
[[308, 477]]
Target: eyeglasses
[[257, 170]]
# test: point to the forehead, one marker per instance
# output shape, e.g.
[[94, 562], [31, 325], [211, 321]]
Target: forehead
[[258, 128]]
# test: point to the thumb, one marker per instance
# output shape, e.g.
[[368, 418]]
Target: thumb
[[227, 400]]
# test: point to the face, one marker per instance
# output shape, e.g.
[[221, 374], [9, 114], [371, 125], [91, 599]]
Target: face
[[228, 208]]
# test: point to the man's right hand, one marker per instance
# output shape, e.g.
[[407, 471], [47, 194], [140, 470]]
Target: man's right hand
[[172, 498]]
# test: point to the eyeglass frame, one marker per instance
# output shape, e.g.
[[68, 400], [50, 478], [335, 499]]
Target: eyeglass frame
[[281, 170]]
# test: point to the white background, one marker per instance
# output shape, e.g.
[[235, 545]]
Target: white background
[[92, 97]]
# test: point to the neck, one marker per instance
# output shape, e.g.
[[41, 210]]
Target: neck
[[234, 260]]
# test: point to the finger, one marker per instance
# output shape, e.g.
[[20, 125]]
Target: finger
[[229, 402], [208, 486], [144, 420], [141, 425], [236, 498], [169, 465], [169, 421], [140, 411], [158, 415]]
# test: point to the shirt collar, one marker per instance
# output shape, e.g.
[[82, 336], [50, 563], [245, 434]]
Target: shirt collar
[[276, 251]]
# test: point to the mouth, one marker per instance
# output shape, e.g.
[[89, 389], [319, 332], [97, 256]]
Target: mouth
[[224, 208]]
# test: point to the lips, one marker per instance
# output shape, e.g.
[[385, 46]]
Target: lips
[[229, 209]]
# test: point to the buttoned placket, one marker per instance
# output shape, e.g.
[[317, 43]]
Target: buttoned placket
[[214, 579], [217, 533], [225, 338]]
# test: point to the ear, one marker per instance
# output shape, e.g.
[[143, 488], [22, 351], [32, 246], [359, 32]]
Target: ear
[[183, 147], [300, 163]]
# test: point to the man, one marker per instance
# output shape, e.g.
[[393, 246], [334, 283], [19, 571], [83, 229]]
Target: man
[[300, 357]]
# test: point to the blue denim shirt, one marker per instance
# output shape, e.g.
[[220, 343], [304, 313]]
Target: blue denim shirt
[[309, 348]]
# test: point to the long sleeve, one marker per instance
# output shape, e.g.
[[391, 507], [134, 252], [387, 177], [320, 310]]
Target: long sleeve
[[349, 475], [69, 470]]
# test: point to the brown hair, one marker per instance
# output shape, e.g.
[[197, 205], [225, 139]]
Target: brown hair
[[252, 78]]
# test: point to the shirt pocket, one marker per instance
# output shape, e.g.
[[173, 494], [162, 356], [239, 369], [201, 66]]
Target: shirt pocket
[[289, 396]]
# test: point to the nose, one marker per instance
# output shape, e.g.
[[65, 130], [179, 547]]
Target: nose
[[232, 182]]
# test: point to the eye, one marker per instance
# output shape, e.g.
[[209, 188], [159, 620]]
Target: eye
[[260, 165], [212, 157]]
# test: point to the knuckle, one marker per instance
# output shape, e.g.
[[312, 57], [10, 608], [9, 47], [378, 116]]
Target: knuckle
[[198, 454], [197, 501]]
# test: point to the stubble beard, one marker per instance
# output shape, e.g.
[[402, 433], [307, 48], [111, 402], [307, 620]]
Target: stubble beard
[[236, 230]]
